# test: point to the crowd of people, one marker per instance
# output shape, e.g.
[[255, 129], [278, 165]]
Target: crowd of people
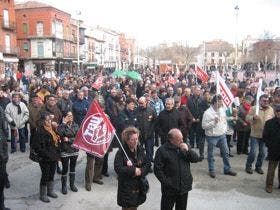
[[153, 112]]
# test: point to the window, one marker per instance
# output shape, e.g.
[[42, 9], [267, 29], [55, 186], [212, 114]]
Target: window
[[24, 28], [6, 17], [40, 29], [220, 54], [213, 54], [40, 49], [25, 47], [8, 43]]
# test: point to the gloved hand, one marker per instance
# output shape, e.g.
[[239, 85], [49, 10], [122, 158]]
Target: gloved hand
[[13, 124]]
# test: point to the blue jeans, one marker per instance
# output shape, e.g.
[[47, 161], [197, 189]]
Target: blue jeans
[[149, 147], [22, 140], [254, 143], [221, 142]]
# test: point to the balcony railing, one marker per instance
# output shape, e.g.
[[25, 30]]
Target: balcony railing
[[9, 50], [8, 25]]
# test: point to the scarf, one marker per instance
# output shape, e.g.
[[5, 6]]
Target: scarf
[[55, 137], [18, 107]]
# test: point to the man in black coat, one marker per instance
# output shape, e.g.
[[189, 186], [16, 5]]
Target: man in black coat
[[195, 107], [146, 117], [3, 157], [172, 169], [169, 118], [271, 136]]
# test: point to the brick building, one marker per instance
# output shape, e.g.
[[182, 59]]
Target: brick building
[[8, 44], [47, 38]]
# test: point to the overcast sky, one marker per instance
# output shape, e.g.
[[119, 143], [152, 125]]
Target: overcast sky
[[189, 21]]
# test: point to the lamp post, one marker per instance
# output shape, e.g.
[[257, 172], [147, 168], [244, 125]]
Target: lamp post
[[236, 8], [78, 40]]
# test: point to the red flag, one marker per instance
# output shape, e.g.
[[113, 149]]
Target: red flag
[[98, 83], [96, 132], [201, 74], [171, 80]]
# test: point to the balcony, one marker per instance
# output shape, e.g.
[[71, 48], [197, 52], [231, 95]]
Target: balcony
[[8, 25], [9, 51]]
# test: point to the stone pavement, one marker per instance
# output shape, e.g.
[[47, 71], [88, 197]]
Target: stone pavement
[[243, 192]]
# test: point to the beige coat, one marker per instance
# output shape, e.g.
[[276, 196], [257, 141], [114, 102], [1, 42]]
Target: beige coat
[[258, 124]]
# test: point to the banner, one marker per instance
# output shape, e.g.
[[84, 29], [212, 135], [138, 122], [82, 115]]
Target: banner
[[98, 83], [224, 91], [96, 132], [201, 74]]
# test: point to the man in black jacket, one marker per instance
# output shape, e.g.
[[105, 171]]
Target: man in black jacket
[[3, 157], [195, 107], [146, 117], [169, 118], [172, 168]]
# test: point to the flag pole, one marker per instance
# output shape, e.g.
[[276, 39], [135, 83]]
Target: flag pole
[[119, 141], [100, 110]]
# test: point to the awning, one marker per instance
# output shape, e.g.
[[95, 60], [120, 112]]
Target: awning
[[10, 59]]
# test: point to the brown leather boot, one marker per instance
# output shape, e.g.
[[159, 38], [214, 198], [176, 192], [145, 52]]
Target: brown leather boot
[[268, 189]]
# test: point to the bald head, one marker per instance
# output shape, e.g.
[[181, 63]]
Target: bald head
[[175, 137]]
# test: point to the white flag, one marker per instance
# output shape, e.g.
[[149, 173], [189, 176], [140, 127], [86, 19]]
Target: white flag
[[224, 91], [259, 93]]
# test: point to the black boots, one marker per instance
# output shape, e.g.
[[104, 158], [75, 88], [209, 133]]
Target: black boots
[[50, 191], [43, 194], [64, 184], [72, 182]]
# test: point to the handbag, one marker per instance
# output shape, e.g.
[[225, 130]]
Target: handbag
[[144, 185], [34, 156]]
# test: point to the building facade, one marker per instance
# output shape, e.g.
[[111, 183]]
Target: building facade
[[47, 38], [216, 54], [8, 44]]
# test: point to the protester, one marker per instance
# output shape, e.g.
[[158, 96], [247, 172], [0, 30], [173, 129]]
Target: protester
[[131, 172], [68, 131], [243, 127], [195, 107], [169, 118], [146, 118], [172, 169], [47, 148], [65, 104], [215, 125], [257, 122], [34, 108], [3, 157], [17, 115], [80, 108], [271, 137]]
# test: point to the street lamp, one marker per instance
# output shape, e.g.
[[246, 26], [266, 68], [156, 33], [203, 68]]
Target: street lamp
[[236, 8], [78, 40]]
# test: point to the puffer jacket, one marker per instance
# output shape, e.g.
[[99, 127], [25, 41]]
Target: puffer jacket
[[172, 168], [11, 113], [129, 193], [69, 131]]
